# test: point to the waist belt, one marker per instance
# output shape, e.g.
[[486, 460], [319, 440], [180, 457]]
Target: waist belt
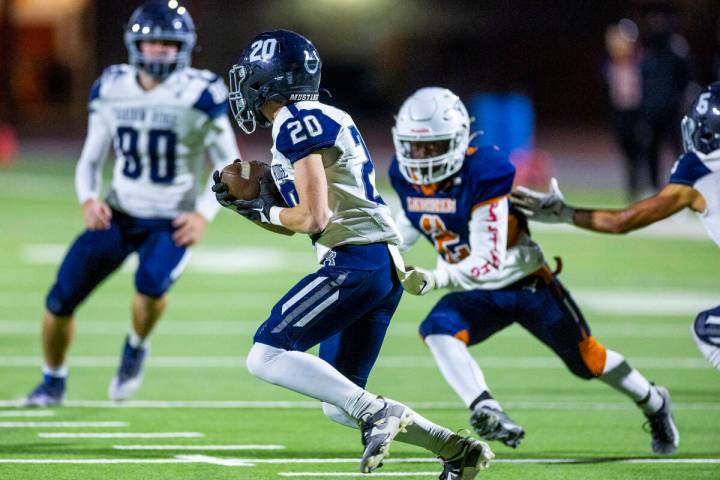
[[542, 276]]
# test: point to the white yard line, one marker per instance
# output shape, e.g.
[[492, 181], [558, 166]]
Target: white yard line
[[217, 260], [398, 328], [94, 461], [357, 474], [27, 413], [385, 361], [248, 462], [122, 435], [199, 447], [302, 405], [61, 424]]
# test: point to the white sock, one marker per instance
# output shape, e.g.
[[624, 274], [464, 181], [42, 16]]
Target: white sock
[[622, 377], [459, 368], [59, 372], [135, 341], [311, 376], [430, 436], [339, 416], [421, 433]]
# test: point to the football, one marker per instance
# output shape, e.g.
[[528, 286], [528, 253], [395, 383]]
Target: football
[[243, 181], [243, 178]]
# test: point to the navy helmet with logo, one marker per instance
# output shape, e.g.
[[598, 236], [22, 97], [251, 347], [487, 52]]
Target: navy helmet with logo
[[701, 125], [278, 65], [160, 20]]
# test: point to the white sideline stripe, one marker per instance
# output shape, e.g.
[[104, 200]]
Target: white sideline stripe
[[218, 260], [226, 462], [27, 413], [310, 405], [61, 424], [246, 462], [397, 329], [306, 289], [658, 302], [386, 361], [199, 447], [357, 474], [93, 461], [122, 435]]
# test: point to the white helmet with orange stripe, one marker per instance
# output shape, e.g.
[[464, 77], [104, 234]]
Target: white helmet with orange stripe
[[431, 135]]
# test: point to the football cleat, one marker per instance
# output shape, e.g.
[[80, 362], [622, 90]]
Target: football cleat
[[493, 424], [474, 457], [378, 431], [49, 393], [665, 435], [129, 376]]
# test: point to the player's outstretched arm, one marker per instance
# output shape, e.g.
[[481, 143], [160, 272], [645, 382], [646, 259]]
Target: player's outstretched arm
[[671, 199], [311, 214], [551, 208]]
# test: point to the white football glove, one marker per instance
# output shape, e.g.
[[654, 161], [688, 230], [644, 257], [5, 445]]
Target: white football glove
[[547, 207], [418, 281]]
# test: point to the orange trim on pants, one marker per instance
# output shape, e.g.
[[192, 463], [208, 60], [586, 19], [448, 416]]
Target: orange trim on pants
[[463, 336], [593, 354]]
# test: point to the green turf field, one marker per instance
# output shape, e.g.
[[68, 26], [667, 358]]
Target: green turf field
[[640, 294]]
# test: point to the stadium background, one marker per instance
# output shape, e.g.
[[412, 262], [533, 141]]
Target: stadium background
[[639, 292]]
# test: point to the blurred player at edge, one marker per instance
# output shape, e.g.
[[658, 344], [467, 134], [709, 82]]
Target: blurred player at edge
[[160, 115], [694, 183], [322, 168], [454, 191]]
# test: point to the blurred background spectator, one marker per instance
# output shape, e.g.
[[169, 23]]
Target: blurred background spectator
[[665, 73], [624, 89], [539, 57]]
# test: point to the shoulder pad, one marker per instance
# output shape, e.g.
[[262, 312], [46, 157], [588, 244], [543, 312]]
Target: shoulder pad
[[490, 173], [213, 98], [688, 169], [305, 131], [109, 75]]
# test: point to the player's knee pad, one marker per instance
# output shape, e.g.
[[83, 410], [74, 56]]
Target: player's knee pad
[[706, 333], [338, 415], [153, 283], [260, 358], [431, 326], [593, 356], [60, 302]]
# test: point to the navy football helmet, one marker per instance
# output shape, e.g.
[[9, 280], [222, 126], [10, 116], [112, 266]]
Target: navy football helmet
[[701, 125], [279, 65], [160, 20]]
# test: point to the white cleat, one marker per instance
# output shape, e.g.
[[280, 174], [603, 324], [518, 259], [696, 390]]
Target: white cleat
[[129, 375], [379, 430]]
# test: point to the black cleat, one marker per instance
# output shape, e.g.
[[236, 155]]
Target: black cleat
[[492, 424], [474, 457]]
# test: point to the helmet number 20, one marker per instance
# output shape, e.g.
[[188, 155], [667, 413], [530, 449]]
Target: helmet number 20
[[298, 133], [263, 49]]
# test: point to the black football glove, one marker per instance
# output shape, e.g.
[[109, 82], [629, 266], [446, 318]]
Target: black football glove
[[257, 210]]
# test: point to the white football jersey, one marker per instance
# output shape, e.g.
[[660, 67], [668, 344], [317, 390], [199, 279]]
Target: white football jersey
[[703, 174], [358, 214], [159, 137]]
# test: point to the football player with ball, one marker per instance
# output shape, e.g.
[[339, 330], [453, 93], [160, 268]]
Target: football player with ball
[[324, 172]]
